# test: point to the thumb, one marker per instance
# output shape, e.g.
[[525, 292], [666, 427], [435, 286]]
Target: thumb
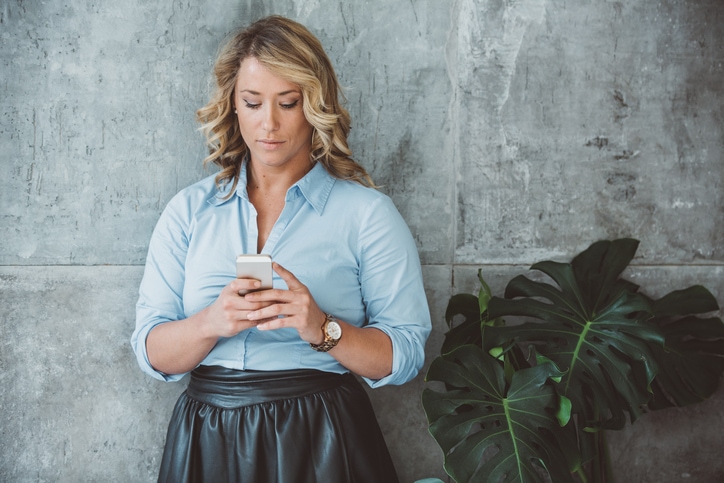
[[292, 282]]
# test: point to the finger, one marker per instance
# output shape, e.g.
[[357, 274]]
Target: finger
[[244, 285], [273, 323], [237, 307], [292, 281], [271, 311], [252, 307], [271, 295]]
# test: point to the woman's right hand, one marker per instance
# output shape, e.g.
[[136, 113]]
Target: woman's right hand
[[227, 316], [178, 346]]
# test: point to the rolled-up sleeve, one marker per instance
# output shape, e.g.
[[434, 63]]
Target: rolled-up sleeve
[[160, 294], [392, 289]]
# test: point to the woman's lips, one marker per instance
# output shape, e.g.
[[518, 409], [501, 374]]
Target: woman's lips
[[270, 143]]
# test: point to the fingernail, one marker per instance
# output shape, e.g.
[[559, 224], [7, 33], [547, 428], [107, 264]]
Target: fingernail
[[257, 284], [251, 315]]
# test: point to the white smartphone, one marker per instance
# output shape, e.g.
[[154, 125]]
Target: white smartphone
[[258, 267]]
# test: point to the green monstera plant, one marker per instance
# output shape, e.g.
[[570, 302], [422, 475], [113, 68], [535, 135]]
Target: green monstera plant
[[528, 399]]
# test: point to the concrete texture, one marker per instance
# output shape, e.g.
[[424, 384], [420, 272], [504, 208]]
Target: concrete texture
[[506, 132]]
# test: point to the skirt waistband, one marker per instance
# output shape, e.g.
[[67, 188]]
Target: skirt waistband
[[230, 388]]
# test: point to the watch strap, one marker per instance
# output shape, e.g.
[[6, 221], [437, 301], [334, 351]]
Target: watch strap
[[328, 343]]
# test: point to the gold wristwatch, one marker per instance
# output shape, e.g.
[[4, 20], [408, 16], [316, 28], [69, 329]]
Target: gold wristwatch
[[332, 333]]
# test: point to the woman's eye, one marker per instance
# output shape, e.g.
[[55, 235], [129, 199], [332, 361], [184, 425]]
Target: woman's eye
[[251, 106], [290, 105]]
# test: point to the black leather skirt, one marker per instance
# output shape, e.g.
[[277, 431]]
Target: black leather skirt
[[283, 426]]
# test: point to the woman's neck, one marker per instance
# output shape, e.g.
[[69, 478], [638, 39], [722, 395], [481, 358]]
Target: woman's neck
[[263, 179]]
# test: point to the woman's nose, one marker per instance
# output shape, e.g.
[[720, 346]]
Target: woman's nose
[[270, 121]]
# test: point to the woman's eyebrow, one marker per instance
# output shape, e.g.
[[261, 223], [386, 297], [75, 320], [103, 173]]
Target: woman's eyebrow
[[255, 93]]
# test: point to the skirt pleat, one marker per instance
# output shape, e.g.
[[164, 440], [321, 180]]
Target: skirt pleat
[[282, 426]]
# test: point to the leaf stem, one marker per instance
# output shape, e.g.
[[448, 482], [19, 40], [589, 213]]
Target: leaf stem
[[582, 475], [574, 358], [509, 419]]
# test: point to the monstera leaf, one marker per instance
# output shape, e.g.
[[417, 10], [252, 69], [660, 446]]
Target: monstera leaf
[[592, 326], [692, 358], [468, 331], [597, 271], [472, 310], [493, 433], [611, 350]]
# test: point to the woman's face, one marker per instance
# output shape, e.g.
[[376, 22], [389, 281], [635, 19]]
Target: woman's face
[[271, 119]]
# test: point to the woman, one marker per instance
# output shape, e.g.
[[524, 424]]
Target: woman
[[271, 395]]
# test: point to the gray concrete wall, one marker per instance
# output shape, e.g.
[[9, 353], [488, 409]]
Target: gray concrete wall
[[506, 132]]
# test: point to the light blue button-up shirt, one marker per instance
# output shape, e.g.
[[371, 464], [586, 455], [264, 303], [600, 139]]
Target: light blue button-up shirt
[[347, 243]]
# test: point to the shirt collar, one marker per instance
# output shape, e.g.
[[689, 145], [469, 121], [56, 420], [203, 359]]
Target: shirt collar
[[315, 186]]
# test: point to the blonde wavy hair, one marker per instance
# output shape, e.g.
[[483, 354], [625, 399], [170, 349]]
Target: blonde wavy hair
[[290, 51]]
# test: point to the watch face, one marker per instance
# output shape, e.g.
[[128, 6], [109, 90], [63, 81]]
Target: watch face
[[334, 330]]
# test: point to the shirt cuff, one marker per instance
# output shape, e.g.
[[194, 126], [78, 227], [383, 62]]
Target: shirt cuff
[[406, 364], [139, 344]]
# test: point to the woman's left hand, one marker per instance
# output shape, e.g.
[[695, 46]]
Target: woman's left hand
[[296, 307]]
